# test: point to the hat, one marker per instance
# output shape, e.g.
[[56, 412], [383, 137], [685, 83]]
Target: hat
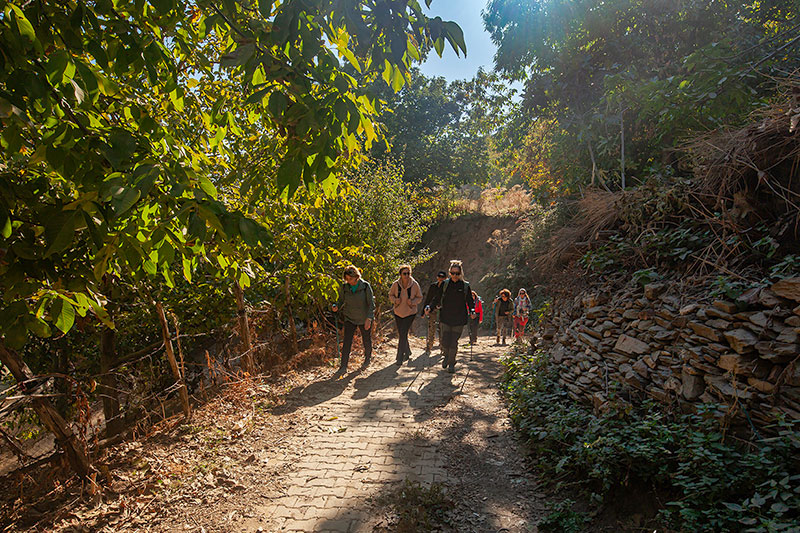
[[441, 274]]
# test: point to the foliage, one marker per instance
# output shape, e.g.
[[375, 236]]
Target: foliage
[[650, 72], [708, 481], [122, 122], [562, 518], [444, 133]]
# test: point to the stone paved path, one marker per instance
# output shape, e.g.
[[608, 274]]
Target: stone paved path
[[375, 428]]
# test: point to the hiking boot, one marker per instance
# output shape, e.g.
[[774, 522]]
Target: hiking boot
[[498, 340], [444, 361], [451, 369], [504, 341]]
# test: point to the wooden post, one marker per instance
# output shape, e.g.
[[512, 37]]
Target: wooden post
[[244, 329], [108, 383], [622, 142], [292, 326], [76, 453], [187, 413]]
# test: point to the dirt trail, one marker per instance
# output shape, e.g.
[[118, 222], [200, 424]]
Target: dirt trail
[[332, 457]]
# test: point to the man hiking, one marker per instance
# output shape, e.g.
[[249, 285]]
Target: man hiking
[[454, 313], [431, 309]]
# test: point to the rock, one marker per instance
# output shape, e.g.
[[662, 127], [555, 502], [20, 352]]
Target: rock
[[596, 312], [749, 296], [793, 321], [777, 353], [630, 314], [591, 332], [718, 323], [727, 307], [759, 319], [762, 386], [641, 368], [672, 384], [624, 368], [787, 336], [734, 363], [793, 375], [590, 300], [631, 345], [723, 387], [796, 310], [680, 322], [666, 315], [705, 331], [692, 385], [767, 298], [713, 312], [686, 309], [761, 368], [788, 288], [650, 360], [741, 340], [654, 290]]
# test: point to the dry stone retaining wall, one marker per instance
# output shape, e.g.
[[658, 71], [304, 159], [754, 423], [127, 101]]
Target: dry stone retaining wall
[[742, 354]]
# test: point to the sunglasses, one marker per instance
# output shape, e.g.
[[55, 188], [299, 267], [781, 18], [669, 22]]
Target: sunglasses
[[405, 273], [454, 273]]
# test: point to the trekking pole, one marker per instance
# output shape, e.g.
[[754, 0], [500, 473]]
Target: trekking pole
[[336, 321]]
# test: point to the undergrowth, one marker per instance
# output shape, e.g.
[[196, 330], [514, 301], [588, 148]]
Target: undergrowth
[[418, 508], [706, 479]]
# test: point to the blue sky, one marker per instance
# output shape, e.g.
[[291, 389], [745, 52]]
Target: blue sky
[[480, 49]]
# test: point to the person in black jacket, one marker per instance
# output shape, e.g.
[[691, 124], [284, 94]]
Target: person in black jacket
[[457, 305], [431, 309]]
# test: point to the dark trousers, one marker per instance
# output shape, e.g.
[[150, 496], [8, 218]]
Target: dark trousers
[[449, 342], [403, 326], [347, 344], [473, 330]]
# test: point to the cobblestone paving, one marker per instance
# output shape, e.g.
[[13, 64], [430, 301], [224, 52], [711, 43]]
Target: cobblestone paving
[[374, 428]]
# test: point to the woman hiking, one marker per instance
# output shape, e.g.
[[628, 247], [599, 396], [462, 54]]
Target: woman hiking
[[456, 307], [522, 309], [357, 304], [503, 310], [478, 320], [405, 295]]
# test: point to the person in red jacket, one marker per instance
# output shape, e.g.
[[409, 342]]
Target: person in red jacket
[[477, 320]]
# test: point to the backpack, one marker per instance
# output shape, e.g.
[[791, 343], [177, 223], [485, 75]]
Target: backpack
[[467, 290]]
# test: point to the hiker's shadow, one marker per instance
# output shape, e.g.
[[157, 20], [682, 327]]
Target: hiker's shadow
[[381, 379], [315, 393]]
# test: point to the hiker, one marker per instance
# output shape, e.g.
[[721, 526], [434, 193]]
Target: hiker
[[457, 306], [357, 304], [503, 310], [522, 309], [478, 320], [431, 309], [405, 295]]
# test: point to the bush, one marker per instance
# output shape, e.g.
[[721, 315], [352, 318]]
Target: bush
[[707, 480]]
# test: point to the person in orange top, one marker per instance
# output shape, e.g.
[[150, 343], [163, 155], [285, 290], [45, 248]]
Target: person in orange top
[[405, 295]]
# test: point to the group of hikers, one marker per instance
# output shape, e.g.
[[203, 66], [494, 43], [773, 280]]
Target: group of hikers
[[450, 304]]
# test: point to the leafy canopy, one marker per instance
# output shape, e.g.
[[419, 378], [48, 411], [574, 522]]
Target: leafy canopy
[[122, 122]]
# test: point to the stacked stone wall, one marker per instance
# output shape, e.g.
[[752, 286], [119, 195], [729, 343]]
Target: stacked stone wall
[[741, 354]]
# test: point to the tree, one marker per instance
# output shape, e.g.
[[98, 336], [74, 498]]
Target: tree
[[122, 122], [646, 71]]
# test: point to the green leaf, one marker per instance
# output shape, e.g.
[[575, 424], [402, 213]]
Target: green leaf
[[123, 199], [60, 232], [207, 186], [5, 223], [39, 327], [249, 231], [24, 26], [63, 314]]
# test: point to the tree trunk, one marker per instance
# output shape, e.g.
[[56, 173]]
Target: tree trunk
[[75, 451], [292, 326], [176, 371], [594, 163], [244, 330]]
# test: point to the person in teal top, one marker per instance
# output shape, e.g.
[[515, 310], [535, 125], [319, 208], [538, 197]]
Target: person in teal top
[[356, 303]]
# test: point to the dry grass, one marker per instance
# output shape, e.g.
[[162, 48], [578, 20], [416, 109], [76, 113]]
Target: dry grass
[[755, 169], [597, 211]]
